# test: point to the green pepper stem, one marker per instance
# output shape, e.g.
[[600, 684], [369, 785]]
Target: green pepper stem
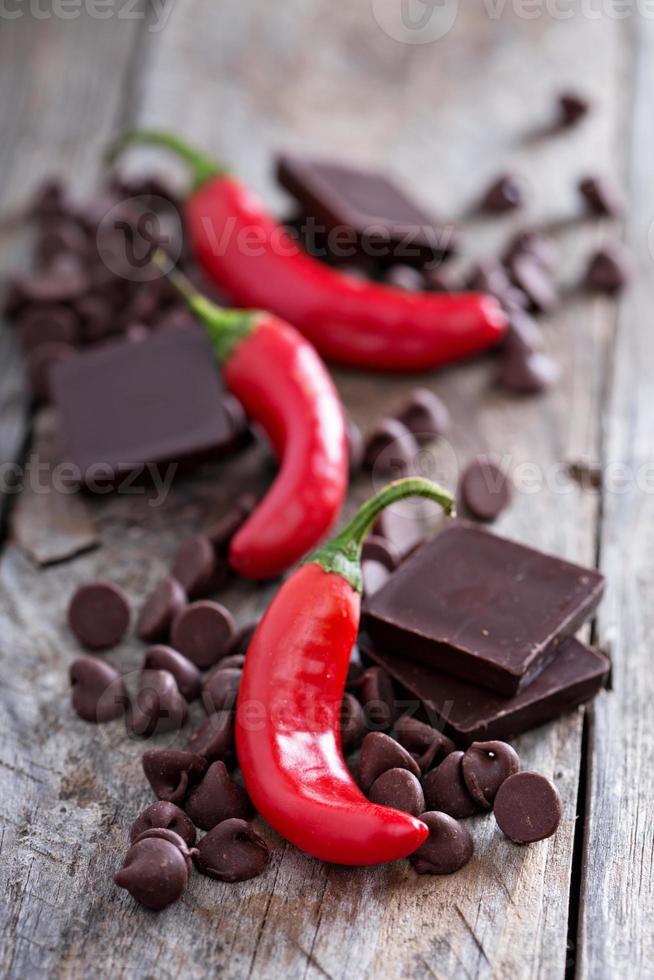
[[343, 553], [202, 167], [225, 328]]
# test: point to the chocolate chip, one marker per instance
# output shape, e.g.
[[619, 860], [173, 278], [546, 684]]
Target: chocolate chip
[[155, 873], [608, 270], [485, 488], [447, 849], [164, 833], [202, 632], [485, 766], [504, 194], [527, 372], [220, 688], [572, 107], [523, 333], [240, 641], [404, 277], [352, 722], [98, 614], [158, 706], [535, 282], [232, 851], [98, 693], [424, 415], [216, 798], [391, 448], [64, 281], [528, 241], [379, 753], [47, 324], [59, 235], [601, 197], [170, 772], [374, 575], [377, 548], [435, 753], [400, 789], [427, 743], [39, 363], [98, 318], [160, 609], [214, 739], [185, 673], [376, 694], [195, 566], [445, 789], [527, 808], [234, 661], [490, 277], [236, 414], [165, 815], [50, 199], [224, 531], [355, 674], [355, 445]]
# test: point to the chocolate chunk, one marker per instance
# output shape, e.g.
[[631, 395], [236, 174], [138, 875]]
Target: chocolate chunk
[[384, 222], [160, 609], [470, 713], [185, 673], [164, 815], [232, 851], [40, 363], [535, 282], [485, 766], [609, 269], [379, 753], [527, 372], [216, 798], [214, 739], [98, 614], [240, 641], [485, 488], [445, 788], [404, 277], [202, 632], [448, 847], [158, 705], [391, 449], [195, 566], [481, 607], [527, 808], [400, 789], [424, 415], [47, 324], [601, 197], [352, 722], [572, 107], [171, 772], [376, 694], [355, 445], [98, 691], [167, 408], [220, 688], [504, 194], [155, 873]]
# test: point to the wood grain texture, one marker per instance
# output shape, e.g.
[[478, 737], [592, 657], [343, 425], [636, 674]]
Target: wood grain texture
[[242, 80], [616, 937]]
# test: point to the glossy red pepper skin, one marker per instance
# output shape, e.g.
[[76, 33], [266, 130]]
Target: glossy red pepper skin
[[348, 320], [281, 382], [287, 728], [288, 709]]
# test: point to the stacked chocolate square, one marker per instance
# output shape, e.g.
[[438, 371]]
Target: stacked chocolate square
[[480, 631]]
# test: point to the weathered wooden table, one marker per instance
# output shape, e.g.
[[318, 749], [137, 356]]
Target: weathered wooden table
[[244, 79]]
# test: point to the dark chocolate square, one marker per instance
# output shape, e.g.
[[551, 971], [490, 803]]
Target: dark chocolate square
[[482, 608], [468, 713], [127, 405]]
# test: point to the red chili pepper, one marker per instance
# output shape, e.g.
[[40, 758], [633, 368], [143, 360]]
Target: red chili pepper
[[288, 709], [364, 324], [282, 384]]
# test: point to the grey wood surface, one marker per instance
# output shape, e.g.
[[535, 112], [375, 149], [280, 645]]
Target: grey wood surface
[[244, 80]]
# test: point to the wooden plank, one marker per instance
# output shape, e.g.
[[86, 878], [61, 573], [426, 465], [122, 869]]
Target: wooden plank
[[241, 80], [615, 933]]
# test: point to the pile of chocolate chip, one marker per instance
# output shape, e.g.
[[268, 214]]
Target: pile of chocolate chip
[[90, 282]]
